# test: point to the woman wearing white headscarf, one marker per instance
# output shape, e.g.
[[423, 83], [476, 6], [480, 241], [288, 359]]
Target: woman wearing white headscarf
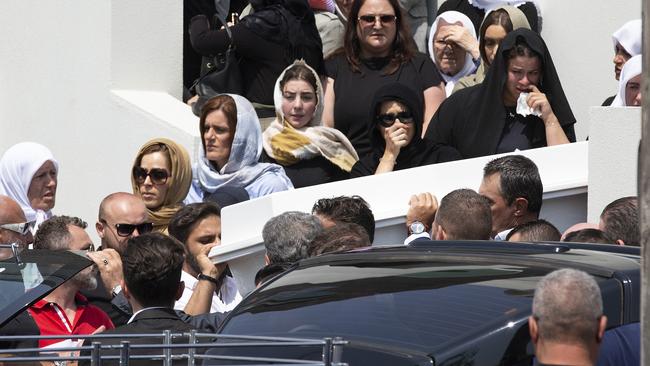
[[309, 152], [629, 84], [28, 174], [453, 47], [230, 151], [627, 43]]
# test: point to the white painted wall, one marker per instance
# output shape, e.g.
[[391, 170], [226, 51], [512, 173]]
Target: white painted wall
[[60, 60], [578, 34], [565, 201], [613, 156]]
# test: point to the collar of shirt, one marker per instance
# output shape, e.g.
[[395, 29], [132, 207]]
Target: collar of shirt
[[145, 309], [503, 235]]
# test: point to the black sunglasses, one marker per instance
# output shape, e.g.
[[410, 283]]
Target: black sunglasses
[[125, 230], [158, 176], [370, 19], [388, 119]]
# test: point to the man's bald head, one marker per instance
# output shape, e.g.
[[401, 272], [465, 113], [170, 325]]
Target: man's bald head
[[12, 213], [119, 208]]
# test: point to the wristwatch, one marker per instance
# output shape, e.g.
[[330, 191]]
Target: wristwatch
[[116, 290], [205, 277], [416, 227]]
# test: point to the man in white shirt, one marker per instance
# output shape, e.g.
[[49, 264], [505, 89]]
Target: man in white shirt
[[198, 227], [514, 189]]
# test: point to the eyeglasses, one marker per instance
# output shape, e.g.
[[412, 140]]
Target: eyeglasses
[[125, 230], [22, 228], [370, 19], [388, 119], [158, 176]]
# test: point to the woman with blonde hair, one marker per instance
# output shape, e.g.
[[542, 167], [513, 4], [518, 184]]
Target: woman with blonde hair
[[161, 175]]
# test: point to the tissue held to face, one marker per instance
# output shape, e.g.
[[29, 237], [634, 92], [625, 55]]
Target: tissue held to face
[[523, 72]]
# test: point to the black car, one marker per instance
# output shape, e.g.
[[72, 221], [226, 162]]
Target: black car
[[28, 275], [431, 303]]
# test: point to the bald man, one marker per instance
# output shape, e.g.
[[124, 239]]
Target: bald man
[[13, 226], [121, 216]]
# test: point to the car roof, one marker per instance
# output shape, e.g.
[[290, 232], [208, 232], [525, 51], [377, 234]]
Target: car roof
[[466, 290]]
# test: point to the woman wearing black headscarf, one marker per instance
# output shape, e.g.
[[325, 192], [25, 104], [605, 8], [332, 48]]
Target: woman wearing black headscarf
[[394, 133], [267, 41], [484, 120]]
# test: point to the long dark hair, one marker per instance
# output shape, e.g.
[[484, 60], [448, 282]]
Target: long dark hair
[[403, 47], [497, 17]]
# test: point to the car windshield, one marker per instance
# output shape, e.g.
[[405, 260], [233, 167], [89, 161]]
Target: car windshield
[[33, 274], [387, 303]]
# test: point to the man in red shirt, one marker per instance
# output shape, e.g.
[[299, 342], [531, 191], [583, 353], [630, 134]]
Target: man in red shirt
[[65, 311]]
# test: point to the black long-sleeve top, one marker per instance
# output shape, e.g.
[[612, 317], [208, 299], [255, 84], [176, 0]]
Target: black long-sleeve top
[[262, 61]]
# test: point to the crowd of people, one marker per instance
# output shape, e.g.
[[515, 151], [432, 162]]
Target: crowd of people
[[375, 104]]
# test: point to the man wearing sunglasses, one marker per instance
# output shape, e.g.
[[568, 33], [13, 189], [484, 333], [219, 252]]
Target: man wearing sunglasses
[[121, 216], [13, 225]]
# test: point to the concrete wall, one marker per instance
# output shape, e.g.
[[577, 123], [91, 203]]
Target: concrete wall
[[565, 201], [613, 156], [61, 63]]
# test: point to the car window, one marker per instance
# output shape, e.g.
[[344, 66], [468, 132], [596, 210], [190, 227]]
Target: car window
[[32, 275]]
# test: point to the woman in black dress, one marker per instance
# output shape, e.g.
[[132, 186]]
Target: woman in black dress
[[394, 132], [378, 50], [483, 119]]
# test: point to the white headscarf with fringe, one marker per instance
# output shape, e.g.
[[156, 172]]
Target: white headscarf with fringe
[[289, 145]]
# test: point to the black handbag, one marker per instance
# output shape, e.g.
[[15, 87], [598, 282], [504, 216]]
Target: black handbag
[[220, 73]]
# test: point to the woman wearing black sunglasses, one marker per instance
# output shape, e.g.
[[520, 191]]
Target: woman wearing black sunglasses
[[378, 50], [394, 133], [161, 176]]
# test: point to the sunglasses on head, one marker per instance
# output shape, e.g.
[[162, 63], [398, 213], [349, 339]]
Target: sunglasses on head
[[158, 176], [125, 230], [22, 228], [371, 19], [388, 119]]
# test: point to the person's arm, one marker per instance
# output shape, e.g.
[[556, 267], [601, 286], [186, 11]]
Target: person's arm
[[395, 138], [201, 299], [433, 97], [328, 106], [206, 41], [461, 36], [554, 133]]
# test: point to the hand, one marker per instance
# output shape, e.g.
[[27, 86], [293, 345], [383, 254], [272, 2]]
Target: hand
[[109, 263], [461, 36], [192, 100], [99, 330], [538, 101], [422, 207], [205, 264], [396, 138]]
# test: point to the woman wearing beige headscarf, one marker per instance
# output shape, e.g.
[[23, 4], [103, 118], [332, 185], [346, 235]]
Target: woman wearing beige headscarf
[[161, 175], [496, 25]]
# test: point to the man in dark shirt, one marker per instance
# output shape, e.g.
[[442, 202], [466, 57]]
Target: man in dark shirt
[[152, 265]]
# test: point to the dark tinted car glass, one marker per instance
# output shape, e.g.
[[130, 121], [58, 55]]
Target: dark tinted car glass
[[35, 273], [417, 305]]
